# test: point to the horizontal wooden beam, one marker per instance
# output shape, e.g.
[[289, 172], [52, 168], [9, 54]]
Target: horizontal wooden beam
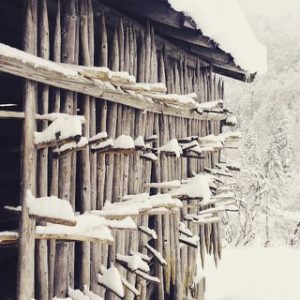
[[11, 237], [33, 68]]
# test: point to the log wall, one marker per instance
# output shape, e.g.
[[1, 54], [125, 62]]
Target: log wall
[[89, 33]]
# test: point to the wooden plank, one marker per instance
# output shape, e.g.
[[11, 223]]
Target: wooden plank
[[95, 88]]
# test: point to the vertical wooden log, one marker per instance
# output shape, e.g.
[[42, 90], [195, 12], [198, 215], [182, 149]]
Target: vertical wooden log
[[177, 78], [154, 63], [161, 69], [131, 51], [61, 279], [114, 53], [42, 188], [147, 53], [84, 156], [135, 67], [103, 62], [25, 282], [54, 161], [121, 37], [141, 58], [103, 118], [95, 248], [127, 50]]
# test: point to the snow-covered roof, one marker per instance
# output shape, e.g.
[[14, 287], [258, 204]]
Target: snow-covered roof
[[224, 22]]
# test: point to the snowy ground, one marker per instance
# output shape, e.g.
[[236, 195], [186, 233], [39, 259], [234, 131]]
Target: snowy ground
[[255, 273]]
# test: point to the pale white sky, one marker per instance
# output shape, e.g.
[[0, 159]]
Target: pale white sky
[[271, 7]]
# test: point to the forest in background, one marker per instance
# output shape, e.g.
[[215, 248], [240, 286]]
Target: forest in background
[[268, 113]]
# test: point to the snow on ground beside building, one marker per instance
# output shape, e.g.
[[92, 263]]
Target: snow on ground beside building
[[255, 273]]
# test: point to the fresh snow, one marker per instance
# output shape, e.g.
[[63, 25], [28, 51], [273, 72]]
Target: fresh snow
[[83, 142], [124, 142], [98, 136], [134, 262], [139, 142], [171, 147], [50, 207], [77, 294], [150, 156], [210, 104], [164, 200], [103, 145], [38, 62], [111, 279], [60, 129], [87, 225], [196, 187], [224, 22], [254, 273]]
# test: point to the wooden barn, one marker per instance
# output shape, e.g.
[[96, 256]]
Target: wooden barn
[[112, 177]]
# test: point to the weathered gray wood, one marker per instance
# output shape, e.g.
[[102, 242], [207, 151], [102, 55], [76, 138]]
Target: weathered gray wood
[[147, 53], [141, 58], [54, 162], [25, 282], [84, 157], [42, 163], [63, 250]]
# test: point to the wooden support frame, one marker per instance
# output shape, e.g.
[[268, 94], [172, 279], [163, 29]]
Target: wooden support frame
[[53, 75]]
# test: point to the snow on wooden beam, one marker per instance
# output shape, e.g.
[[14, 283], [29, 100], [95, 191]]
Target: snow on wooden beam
[[151, 139], [130, 287], [149, 156], [139, 143], [202, 220], [70, 147], [230, 121], [124, 224], [8, 237], [149, 232], [146, 88], [156, 255], [5, 114], [132, 262], [213, 210], [50, 209], [188, 139], [189, 241], [143, 256], [171, 148], [184, 230], [123, 144], [147, 277], [111, 280], [194, 188], [163, 185], [218, 172], [60, 131], [25, 65], [88, 228], [99, 137]]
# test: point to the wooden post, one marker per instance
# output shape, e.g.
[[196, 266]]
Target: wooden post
[[63, 249], [54, 161], [84, 156], [25, 283], [42, 188]]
